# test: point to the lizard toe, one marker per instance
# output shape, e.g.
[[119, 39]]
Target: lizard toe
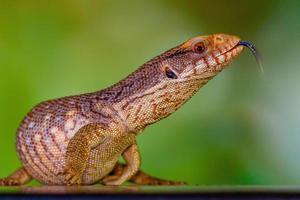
[[75, 180], [9, 182], [71, 178], [111, 180]]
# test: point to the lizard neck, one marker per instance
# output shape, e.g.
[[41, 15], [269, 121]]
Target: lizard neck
[[145, 108], [120, 96]]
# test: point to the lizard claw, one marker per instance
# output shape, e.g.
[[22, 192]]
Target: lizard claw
[[177, 183]]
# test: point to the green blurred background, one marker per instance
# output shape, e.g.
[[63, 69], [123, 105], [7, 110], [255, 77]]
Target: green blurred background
[[241, 128]]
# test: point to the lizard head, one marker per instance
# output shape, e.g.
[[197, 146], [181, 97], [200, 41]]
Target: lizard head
[[200, 58]]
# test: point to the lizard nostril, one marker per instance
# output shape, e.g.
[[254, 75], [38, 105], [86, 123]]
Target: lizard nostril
[[219, 39]]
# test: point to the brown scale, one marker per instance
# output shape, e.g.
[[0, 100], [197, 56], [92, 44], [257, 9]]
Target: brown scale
[[79, 139]]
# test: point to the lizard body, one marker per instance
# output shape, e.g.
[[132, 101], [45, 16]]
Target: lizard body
[[79, 139]]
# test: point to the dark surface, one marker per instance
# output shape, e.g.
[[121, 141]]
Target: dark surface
[[153, 192]]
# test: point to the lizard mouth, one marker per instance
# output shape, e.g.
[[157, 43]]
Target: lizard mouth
[[253, 50]]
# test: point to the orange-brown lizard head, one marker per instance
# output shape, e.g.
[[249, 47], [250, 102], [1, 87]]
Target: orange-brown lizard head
[[201, 57], [163, 84]]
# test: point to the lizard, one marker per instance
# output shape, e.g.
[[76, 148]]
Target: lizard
[[78, 140]]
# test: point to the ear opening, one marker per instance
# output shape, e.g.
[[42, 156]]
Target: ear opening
[[170, 73]]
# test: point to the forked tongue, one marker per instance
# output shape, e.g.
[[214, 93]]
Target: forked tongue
[[254, 52]]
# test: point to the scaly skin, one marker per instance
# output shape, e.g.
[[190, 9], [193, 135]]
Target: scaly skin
[[79, 139]]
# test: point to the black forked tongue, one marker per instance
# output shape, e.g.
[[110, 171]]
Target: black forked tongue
[[255, 53]]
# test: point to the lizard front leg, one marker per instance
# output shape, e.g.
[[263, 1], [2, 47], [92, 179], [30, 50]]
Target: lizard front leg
[[78, 151], [132, 157]]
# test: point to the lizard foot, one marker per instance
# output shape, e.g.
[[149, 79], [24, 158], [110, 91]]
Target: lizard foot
[[111, 180], [71, 177], [9, 182]]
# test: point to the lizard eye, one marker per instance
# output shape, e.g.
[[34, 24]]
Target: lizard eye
[[199, 47], [170, 73]]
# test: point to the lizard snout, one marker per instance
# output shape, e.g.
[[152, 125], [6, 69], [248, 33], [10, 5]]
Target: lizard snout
[[225, 42]]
